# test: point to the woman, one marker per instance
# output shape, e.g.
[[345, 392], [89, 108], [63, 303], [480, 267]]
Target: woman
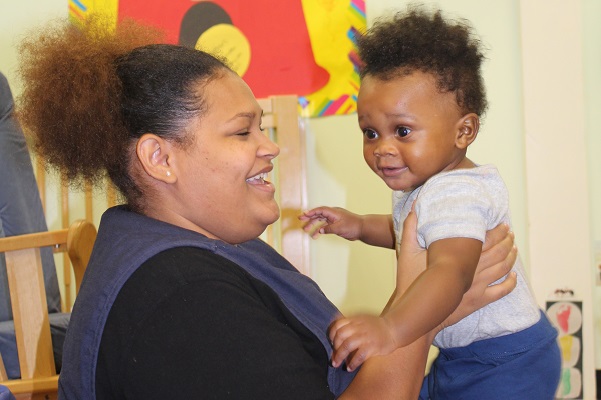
[[180, 298]]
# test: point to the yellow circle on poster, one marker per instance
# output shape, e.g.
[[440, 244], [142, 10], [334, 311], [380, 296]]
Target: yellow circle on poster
[[227, 41]]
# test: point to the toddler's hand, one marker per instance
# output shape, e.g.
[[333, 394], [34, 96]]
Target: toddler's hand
[[334, 220], [359, 338]]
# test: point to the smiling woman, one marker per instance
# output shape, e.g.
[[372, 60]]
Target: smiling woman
[[220, 169], [180, 297]]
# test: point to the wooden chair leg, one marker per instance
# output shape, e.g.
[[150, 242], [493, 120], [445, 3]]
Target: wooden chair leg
[[3, 374]]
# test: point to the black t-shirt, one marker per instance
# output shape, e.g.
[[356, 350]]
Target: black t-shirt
[[193, 325]]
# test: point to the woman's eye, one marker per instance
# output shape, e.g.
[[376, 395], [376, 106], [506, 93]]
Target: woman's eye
[[370, 134], [403, 131]]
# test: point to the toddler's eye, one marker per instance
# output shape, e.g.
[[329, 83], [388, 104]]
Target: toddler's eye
[[370, 134], [403, 131]]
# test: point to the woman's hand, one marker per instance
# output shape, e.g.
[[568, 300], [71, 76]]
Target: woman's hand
[[497, 259]]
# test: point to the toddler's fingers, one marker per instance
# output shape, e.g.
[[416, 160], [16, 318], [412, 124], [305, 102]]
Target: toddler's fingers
[[341, 352], [350, 349], [309, 215], [310, 225], [336, 326], [356, 359], [345, 340], [314, 227], [314, 212]]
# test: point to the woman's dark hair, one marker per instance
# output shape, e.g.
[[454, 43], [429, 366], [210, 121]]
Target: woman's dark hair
[[419, 40], [89, 92]]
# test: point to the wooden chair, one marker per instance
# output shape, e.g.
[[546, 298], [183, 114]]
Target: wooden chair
[[39, 379], [56, 195], [281, 119]]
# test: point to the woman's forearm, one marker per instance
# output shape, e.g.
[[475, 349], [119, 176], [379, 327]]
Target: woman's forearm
[[398, 375]]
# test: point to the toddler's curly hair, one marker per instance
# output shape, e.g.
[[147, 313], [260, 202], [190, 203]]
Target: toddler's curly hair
[[422, 40]]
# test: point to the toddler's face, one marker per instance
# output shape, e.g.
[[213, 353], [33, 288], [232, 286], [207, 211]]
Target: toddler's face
[[409, 129]]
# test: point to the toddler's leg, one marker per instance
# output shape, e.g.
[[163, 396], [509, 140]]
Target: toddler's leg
[[523, 365]]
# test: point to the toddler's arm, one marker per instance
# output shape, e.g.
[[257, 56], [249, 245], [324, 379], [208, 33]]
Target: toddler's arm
[[430, 299], [395, 376], [373, 229]]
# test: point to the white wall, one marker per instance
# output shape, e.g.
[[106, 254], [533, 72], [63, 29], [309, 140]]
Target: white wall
[[17, 18], [556, 159], [591, 10]]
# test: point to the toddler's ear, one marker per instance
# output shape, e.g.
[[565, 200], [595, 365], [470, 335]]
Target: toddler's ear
[[467, 130]]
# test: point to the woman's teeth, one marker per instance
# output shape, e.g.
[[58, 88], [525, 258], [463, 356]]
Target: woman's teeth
[[260, 178]]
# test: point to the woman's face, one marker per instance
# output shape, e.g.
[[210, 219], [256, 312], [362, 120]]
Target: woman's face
[[222, 189]]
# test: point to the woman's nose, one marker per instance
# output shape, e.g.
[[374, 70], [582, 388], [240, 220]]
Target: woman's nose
[[268, 148]]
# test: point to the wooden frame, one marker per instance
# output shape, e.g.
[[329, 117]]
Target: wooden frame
[[65, 203], [281, 118], [28, 297]]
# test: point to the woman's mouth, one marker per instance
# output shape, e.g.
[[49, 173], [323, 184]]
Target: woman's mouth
[[258, 179], [260, 182]]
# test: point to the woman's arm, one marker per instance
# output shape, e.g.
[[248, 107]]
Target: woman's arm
[[398, 375]]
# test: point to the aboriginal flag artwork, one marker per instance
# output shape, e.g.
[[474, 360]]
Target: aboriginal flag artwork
[[301, 47], [566, 316]]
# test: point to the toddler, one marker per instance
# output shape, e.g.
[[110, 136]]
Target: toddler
[[419, 108]]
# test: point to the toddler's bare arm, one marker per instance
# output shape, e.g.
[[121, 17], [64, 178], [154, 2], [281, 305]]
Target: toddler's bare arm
[[373, 229]]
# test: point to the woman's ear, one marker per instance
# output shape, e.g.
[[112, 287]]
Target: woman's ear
[[467, 130], [155, 155]]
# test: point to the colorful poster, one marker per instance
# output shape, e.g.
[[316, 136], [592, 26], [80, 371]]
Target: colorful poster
[[566, 316], [301, 47]]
